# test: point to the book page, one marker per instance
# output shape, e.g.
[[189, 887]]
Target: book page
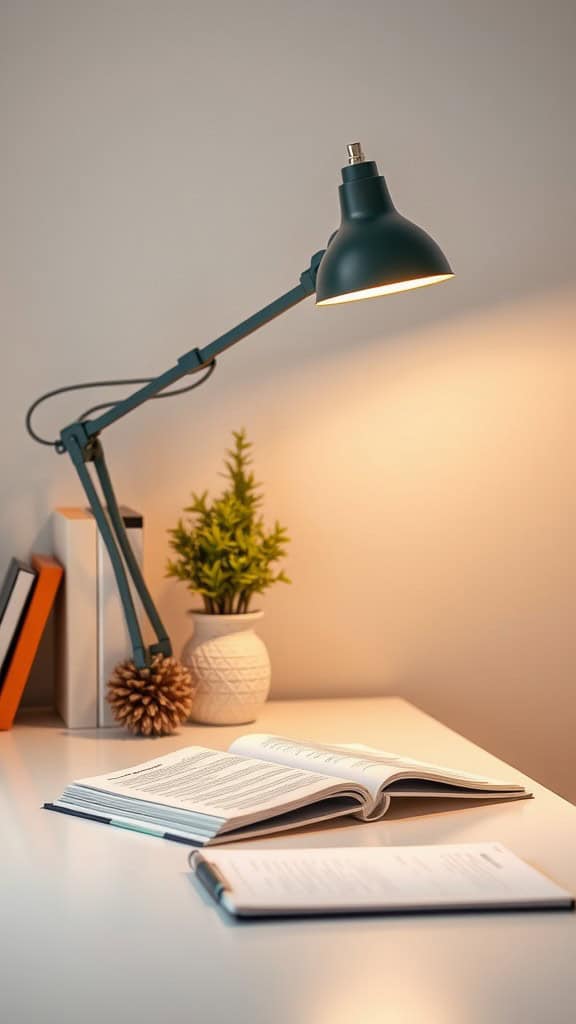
[[365, 765], [210, 782], [332, 762], [455, 876]]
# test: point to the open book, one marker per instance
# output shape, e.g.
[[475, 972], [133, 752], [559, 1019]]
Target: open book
[[263, 784]]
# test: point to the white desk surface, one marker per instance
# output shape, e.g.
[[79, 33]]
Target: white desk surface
[[98, 924]]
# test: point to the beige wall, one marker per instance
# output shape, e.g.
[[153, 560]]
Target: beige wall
[[168, 167]]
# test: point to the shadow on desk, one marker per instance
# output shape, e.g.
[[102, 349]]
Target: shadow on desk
[[350, 831], [413, 807]]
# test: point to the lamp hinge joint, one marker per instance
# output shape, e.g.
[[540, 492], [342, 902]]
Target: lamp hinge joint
[[191, 361], [76, 436], [308, 278]]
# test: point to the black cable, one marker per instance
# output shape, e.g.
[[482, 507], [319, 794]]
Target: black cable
[[165, 394], [105, 405]]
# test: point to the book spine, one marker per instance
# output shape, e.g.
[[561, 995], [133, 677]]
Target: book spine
[[46, 587], [75, 547], [113, 637]]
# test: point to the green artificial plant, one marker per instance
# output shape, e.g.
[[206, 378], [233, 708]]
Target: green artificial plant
[[223, 551]]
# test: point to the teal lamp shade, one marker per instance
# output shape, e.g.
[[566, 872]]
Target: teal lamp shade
[[375, 251]]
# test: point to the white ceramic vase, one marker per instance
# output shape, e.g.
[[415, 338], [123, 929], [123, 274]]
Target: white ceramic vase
[[230, 668]]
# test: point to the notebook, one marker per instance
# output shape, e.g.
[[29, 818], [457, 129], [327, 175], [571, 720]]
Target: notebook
[[393, 879], [265, 784]]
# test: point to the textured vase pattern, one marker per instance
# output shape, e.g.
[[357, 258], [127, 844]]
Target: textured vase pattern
[[230, 668]]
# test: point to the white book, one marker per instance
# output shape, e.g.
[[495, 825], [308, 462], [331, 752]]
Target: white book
[[265, 784], [75, 547], [390, 879], [113, 637], [91, 633]]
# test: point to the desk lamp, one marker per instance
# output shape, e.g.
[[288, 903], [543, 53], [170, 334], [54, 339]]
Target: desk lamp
[[375, 251]]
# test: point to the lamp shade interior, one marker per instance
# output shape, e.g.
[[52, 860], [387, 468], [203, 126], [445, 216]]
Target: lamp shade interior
[[385, 289]]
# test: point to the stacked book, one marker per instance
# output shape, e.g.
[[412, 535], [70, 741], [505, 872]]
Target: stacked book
[[26, 599], [91, 633]]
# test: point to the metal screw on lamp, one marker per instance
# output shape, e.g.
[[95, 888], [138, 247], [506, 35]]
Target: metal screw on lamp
[[375, 251]]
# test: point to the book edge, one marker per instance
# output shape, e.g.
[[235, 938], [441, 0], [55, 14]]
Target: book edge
[[49, 577]]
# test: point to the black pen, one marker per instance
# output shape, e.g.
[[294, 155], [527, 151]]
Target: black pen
[[211, 879]]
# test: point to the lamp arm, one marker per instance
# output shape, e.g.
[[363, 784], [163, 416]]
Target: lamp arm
[[107, 520], [199, 358], [80, 440]]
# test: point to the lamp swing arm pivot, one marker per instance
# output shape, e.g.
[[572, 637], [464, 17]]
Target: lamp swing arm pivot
[[81, 441]]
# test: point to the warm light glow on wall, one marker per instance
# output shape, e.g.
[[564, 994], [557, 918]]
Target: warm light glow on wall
[[386, 289]]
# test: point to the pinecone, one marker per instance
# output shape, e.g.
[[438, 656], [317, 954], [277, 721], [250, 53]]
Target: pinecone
[[151, 701]]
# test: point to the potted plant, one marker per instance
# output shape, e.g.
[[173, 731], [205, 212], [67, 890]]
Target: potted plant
[[224, 553]]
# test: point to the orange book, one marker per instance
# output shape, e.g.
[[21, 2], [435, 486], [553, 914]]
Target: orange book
[[50, 573]]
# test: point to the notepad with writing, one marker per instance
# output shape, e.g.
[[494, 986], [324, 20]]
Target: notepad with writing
[[393, 879]]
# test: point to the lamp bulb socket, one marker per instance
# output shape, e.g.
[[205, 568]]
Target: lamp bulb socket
[[355, 153]]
